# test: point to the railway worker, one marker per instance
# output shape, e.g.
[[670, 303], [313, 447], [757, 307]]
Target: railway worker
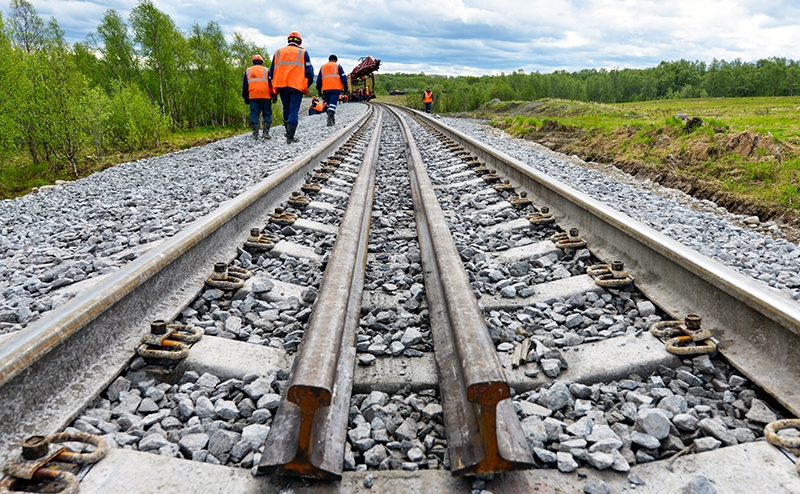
[[427, 98], [290, 74], [331, 81], [317, 106], [257, 92]]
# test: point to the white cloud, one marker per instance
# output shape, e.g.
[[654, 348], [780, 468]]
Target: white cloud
[[483, 37]]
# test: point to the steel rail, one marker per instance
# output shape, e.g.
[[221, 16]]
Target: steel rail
[[51, 369], [484, 434], [758, 328], [309, 430]]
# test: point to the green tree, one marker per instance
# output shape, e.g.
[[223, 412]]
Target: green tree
[[11, 87], [62, 88], [161, 47], [27, 28]]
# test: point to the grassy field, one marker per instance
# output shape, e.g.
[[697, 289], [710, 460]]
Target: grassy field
[[19, 175], [745, 155]]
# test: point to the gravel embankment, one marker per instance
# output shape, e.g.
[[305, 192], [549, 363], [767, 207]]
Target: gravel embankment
[[53, 240], [701, 225]]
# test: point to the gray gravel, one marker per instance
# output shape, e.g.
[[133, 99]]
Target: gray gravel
[[702, 405], [199, 418], [53, 240], [701, 225]]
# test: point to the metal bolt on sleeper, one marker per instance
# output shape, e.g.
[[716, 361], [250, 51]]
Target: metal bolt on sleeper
[[227, 277], [612, 275], [310, 187], [685, 337], [541, 217], [167, 342], [490, 177], [260, 241], [299, 201], [571, 240], [280, 217], [506, 185], [42, 460], [520, 201]]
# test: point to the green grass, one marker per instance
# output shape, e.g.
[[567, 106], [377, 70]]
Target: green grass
[[19, 175], [650, 133]]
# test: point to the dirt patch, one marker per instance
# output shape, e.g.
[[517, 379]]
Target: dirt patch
[[672, 167]]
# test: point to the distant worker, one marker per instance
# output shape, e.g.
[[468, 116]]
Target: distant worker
[[331, 81], [291, 74], [257, 93], [427, 98], [317, 106]]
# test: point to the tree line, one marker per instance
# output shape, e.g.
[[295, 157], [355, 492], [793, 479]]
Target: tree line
[[135, 81], [126, 88], [679, 79]]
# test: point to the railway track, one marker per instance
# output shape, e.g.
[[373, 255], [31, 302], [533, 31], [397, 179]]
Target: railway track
[[365, 337]]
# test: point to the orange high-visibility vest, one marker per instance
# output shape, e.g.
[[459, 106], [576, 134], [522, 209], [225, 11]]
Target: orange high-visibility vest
[[257, 83], [290, 68], [331, 81], [428, 97], [319, 106]]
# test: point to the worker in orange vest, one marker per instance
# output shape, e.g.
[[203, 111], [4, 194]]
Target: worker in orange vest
[[290, 75], [331, 81], [257, 92], [427, 98], [317, 106]]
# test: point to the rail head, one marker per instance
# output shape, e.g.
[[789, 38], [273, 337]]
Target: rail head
[[484, 433]]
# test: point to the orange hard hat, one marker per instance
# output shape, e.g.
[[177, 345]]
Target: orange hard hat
[[295, 37], [257, 57]]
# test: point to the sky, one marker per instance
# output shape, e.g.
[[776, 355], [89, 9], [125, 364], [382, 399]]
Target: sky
[[471, 37]]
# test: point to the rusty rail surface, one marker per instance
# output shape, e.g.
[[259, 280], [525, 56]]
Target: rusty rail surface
[[484, 434], [308, 432], [51, 369], [758, 328]]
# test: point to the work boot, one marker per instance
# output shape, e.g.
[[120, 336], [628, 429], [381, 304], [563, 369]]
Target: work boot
[[265, 132], [290, 130], [330, 120], [255, 130]]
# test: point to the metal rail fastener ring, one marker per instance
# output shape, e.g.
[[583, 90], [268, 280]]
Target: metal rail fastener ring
[[506, 185], [521, 200], [56, 475], [299, 201], [664, 329], [169, 350], [280, 217], [232, 278], [610, 280], [261, 241], [790, 443], [612, 275], [542, 217], [101, 447], [703, 345], [8, 484], [186, 333], [310, 187], [598, 269]]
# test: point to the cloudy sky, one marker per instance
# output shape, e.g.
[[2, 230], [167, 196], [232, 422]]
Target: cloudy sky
[[457, 37]]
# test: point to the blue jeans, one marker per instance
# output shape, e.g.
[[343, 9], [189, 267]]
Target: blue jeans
[[332, 98], [291, 99], [428, 107], [261, 106]]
